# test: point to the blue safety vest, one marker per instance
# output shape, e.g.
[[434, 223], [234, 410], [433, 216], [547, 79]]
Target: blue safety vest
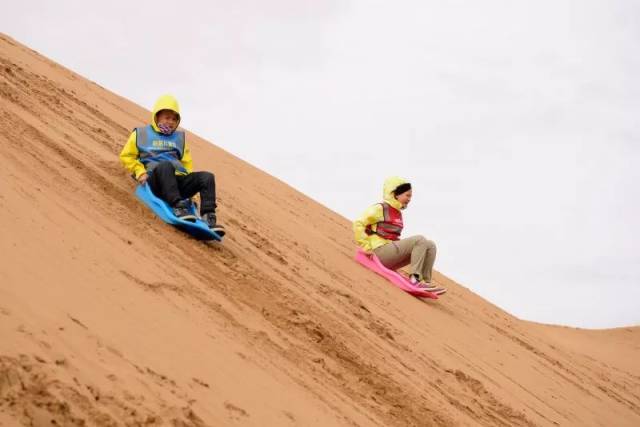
[[155, 147]]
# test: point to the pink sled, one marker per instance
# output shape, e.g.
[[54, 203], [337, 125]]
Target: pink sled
[[373, 263]]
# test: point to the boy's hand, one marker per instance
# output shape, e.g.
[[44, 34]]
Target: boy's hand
[[142, 179]]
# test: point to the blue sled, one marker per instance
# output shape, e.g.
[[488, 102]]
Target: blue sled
[[198, 229]]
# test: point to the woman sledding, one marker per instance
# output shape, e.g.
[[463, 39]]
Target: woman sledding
[[378, 230]]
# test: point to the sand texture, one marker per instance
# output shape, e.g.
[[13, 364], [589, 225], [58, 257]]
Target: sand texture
[[109, 317]]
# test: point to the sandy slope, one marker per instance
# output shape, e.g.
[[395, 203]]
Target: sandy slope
[[109, 317]]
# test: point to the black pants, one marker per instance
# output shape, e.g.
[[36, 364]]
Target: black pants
[[172, 188]]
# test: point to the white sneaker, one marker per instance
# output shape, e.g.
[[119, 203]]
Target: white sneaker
[[431, 288]]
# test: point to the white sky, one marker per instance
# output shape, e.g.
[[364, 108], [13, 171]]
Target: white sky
[[516, 121]]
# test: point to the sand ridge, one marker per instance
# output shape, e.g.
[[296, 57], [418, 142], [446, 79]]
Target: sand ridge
[[110, 317]]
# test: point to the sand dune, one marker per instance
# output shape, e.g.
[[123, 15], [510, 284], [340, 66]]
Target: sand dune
[[110, 317]]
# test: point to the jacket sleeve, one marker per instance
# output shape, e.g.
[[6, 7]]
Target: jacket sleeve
[[372, 215], [129, 157], [186, 160]]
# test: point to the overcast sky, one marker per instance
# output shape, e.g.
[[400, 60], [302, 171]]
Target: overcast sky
[[516, 121]]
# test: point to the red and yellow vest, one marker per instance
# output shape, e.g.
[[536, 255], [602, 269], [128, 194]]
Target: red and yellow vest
[[390, 227]]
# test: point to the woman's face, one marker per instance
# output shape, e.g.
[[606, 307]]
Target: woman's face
[[404, 198]]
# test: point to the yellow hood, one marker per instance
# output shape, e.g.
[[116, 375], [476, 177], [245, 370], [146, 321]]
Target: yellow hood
[[165, 102], [391, 184]]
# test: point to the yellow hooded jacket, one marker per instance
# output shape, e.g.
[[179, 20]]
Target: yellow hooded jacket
[[130, 157], [374, 214]]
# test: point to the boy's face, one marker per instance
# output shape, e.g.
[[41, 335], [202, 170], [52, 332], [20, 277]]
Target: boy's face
[[404, 198], [167, 120]]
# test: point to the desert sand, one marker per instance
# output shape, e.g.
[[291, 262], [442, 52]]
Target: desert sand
[[110, 317]]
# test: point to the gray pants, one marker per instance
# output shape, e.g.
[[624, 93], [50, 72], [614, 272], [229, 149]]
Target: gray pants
[[416, 250]]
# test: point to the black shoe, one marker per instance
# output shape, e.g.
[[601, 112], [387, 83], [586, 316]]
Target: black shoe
[[182, 210], [211, 220]]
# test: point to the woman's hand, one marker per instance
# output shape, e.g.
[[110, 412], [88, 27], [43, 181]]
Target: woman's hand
[[142, 179]]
